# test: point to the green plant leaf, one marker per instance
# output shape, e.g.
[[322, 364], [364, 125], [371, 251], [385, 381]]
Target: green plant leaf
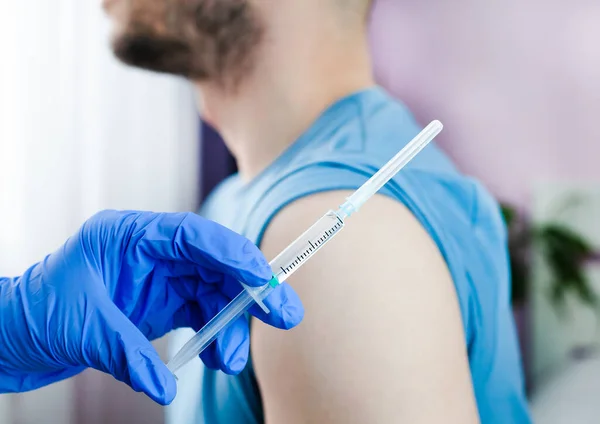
[[565, 252], [509, 214]]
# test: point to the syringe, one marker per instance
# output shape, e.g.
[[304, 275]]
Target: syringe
[[302, 249]]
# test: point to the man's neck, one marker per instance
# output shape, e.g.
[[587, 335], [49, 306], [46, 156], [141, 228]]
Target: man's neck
[[292, 84]]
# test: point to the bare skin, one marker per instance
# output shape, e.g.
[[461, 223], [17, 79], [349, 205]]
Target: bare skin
[[265, 69]]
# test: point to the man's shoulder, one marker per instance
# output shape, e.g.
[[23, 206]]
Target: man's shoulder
[[368, 294]]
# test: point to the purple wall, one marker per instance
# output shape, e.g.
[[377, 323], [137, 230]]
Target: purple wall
[[516, 83]]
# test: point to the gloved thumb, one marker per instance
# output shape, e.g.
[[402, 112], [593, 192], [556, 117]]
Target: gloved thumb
[[114, 345]]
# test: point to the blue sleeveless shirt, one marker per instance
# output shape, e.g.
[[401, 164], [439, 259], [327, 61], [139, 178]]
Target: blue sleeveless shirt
[[349, 142]]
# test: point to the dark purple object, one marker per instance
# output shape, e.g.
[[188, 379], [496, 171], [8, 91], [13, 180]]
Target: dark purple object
[[216, 161]]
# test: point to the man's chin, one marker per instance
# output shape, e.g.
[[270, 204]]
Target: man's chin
[[155, 54]]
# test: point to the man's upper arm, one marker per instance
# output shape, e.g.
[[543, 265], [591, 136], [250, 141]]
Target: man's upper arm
[[382, 339]]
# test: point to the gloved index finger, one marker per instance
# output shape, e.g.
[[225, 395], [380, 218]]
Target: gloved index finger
[[191, 238], [286, 309]]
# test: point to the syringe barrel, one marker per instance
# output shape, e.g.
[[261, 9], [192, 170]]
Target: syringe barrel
[[305, 246]]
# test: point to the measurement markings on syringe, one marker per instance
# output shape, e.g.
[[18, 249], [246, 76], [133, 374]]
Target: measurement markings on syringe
[[312, 248]]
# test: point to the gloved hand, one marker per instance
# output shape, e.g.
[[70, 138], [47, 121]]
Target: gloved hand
[[125, 278]]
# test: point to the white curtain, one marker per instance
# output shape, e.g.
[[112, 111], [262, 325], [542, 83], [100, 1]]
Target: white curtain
[[79, 133]]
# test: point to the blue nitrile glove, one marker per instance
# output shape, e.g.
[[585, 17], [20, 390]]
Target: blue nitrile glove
[[124, 278]]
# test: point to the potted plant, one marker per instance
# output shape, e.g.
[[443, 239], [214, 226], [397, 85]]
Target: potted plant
[[563, 250], [565, 253]]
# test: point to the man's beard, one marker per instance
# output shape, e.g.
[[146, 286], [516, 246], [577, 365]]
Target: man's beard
[[203, 40]]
